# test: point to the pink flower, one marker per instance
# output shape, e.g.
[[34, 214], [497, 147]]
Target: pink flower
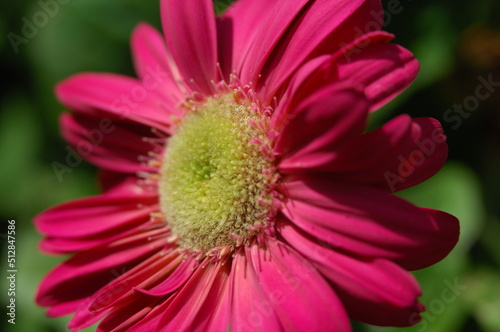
[[240, 189]]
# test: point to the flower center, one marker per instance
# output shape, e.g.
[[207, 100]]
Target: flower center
[[214, 185]]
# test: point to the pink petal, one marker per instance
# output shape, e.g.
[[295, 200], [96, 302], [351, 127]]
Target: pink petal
[[319, 126], [148, 272], [95, 215], [303, 300], [191, 306], [374, 291], [117, 98], [252, 308], [399, 155], [298, 90], [66, 308], [181, 274], [68, 246], [384, 69], [218, 320], [236, 30], [154, 64], [190, 30], [114, 183], [119, 149], [269, 32], [369, 222], [446, 239], [83, 274], [323, 28], [84, 318], [58, 245], [151, 322], [215, 312], [124, 317], [199, 306], [380, 69], [318, 73]]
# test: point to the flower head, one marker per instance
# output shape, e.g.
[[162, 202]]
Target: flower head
[[240, 187]]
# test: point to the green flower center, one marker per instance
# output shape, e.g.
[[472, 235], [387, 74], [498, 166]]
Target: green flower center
[[214, 177]]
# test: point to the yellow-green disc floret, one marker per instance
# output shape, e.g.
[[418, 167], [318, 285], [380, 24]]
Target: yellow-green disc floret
[[212, 178]]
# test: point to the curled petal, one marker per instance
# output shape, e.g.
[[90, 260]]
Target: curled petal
[[399, 155], [323, 27], [357, 219], [320, 126]]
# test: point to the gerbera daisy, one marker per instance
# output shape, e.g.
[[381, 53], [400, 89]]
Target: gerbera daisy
[[241, 190]]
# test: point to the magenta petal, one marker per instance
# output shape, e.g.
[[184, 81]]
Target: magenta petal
[[296, 91], [114, 183], [399, 155], [268, 34], [118, 149], [66, 246], [60, 245], [369, 222], [374, 291], [381, 69], [181, 274], [154, 64], [85, 273], [124, 317], [303, 300], [84, 318], [323, 28], [197, 299], [148, 272], [219, 318], [67, 307], [321, 125], [384, 69], [151, 322], [445, 240], [236, 30], [215, 312], [94, 215], [116, 98], [190, 30], [252, 308]]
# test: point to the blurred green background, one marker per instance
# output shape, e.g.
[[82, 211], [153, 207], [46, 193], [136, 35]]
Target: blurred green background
[[456, 43]]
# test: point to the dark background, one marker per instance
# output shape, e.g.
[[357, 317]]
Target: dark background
[[457, 43]]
